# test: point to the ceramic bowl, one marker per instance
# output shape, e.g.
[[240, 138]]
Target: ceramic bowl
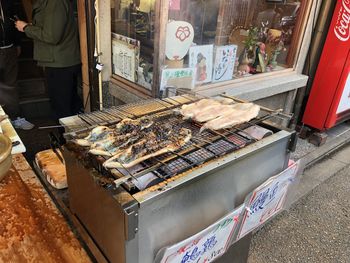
[[5, 155]]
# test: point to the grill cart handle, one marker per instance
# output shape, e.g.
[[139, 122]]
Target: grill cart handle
[[56, 146]]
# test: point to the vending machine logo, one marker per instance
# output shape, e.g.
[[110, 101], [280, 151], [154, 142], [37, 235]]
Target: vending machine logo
[[341, 29]]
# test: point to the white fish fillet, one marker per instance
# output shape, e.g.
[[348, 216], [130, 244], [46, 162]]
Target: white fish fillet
[[242, 113], [212, 112], [226, 101], [190, 110]]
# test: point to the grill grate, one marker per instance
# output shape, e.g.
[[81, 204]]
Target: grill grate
[[202, 147], [221, 147], [145, 107], [200, 156], [174, 167], [237, 140]]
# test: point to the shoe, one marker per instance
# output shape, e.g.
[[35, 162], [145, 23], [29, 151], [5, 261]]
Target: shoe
[[22, 123]]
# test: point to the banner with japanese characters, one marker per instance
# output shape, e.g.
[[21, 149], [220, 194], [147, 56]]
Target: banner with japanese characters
[[177, 78], [267, 200], [205, 246]]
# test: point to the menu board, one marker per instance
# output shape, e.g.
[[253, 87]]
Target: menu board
[[126, 54]]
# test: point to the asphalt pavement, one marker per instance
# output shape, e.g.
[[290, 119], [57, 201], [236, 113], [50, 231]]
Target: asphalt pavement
[[317, 226]]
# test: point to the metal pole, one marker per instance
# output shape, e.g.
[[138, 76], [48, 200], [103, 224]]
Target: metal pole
[[98, 52]]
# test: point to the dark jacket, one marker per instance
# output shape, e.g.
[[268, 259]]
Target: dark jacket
[[8, 33], [55, 34]]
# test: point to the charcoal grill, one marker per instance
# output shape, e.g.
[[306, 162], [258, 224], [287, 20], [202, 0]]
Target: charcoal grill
[[132, 213]]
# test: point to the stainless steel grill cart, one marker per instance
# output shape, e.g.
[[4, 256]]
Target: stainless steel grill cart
[[184, 191]]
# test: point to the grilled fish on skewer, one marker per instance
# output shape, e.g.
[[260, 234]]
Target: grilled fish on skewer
[[244, 112], [147, 148], [212, 112], [190, 110], [125, 126], [129, 125], [98, 133], [112, 145]]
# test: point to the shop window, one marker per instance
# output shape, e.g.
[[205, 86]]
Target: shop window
[[203, 41], [133, 40]]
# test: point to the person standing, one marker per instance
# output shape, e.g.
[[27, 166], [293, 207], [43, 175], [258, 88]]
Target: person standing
[[56, 48], [9, 50]]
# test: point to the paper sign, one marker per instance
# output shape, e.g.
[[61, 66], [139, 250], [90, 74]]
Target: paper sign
[[224, 64], [267, 200], [201, 58], [178, 78], [126, 53], [207, 245], [174, 4]]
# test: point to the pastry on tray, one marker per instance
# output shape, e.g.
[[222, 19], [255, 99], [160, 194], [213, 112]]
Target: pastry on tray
[[52, 167]]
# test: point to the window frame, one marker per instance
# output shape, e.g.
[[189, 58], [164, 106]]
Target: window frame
[[295, 59]]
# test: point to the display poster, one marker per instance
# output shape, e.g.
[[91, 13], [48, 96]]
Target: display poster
[[267, 200], [207, 245], [224, 64], [178, 78], [201, 58], [125, 56], [344, 103]]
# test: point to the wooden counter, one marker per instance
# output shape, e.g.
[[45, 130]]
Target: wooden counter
[[31, 227]]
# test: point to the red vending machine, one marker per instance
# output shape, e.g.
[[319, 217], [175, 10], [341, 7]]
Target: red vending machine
[[329, 100]]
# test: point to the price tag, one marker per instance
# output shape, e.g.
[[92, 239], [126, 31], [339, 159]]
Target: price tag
[[205, 246], [267, 200]]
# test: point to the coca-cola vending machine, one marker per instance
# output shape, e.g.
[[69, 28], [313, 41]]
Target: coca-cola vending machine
[[329, 100]]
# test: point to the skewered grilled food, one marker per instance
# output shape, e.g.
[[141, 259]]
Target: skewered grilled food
[[219, 115], [212, 112], [103, 133], [116, 143], [156, 143], [98, 133], [242, 113], [190, 110]]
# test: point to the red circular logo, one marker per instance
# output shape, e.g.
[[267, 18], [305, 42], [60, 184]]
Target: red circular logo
[[182, 33]]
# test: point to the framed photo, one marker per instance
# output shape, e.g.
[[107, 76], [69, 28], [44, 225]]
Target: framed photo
[[201, 58], [224, 63]]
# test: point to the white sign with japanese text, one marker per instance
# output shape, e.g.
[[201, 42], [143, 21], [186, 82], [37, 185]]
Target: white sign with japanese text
[[267, 200], [205, 246], [178, 78]]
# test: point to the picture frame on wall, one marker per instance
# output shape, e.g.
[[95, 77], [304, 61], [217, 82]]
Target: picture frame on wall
[[224, 63], [201, 58]]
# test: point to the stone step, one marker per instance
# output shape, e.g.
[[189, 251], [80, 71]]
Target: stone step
[[28, 69], [33, 88], [36, 108]]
